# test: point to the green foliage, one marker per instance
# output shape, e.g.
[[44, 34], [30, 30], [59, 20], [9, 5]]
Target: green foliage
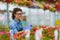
[[4, 37], [48, 34], [4, 27]]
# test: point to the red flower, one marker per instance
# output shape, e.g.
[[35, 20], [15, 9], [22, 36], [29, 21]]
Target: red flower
[[43, 26], [21, 34], [57, 6], [57, 27], [34, 29], [52, 35], [46, 6], [31, 2], [1, 33], [15, 36], [8, 33], [43, 35], [8, 1], [17, 1]]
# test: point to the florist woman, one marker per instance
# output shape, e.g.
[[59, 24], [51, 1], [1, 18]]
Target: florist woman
[[16, 25]]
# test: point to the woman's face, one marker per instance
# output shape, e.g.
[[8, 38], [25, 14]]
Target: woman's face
[[18, 14]]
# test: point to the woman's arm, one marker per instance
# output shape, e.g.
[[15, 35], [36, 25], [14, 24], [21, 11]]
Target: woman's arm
[[13, 27]]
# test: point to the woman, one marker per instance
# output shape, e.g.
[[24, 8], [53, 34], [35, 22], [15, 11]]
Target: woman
[[16, 24]]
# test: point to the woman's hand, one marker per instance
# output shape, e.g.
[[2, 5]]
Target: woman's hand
[[21, 32]]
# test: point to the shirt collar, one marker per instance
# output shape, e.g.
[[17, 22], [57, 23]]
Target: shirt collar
[[17, 21]]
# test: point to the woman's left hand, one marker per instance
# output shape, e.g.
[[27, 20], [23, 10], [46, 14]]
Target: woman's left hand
[[21, 32]]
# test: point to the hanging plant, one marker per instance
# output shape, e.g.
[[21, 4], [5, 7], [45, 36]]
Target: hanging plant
[[27, 3], [41, 0], [17, 1], [41, 6], [46, 6], [53, 9], [24, 3], [57, 6], [8, 1], [20, 3], [2, 0], [51, 1], [24, 0]]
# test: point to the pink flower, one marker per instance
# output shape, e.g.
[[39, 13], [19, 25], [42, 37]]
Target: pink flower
[[8, 33], [1, 33]]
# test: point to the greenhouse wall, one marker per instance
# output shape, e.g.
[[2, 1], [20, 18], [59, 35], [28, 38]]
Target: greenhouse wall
[[34, 16]]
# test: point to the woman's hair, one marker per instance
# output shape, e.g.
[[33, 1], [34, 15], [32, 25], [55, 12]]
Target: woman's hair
[[14, 12]]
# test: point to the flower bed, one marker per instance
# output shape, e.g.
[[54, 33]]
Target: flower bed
[[4, 35], [47, 34]]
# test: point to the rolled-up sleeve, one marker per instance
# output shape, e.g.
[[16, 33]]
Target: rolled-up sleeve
[[13, 27]]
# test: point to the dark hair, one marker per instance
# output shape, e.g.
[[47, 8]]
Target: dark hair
[[14, 12]]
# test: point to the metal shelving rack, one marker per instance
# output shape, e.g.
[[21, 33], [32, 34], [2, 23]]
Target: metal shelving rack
[[7, 10]]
